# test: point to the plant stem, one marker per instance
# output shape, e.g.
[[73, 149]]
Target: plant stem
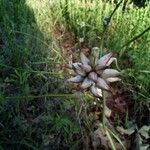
[[110, 140], [31, 71], [117, 6], [106, 26], [102, 41], [132, 40], [104, 108], [40, 96], [117, 138], [104, 122], [135, 38]]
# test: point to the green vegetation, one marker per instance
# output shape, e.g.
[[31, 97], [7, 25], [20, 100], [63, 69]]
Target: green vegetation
[[38, 110], [83, 19]]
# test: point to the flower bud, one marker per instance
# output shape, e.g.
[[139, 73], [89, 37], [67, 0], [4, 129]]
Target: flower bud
[[101, 83], [76, 79], [102, 62], [113, 79], [93, 76], [84, 59], [96, 91], [110, 73], [86, 83], [86, 68]]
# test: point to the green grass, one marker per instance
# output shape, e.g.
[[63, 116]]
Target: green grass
[[84, 20], [36, 110], [27, 77]]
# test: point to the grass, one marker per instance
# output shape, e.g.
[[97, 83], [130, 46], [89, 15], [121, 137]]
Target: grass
[[83, 19], [27, 58], [37, 108]]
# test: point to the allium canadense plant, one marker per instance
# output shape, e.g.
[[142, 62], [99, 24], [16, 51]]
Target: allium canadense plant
[[96, 75]]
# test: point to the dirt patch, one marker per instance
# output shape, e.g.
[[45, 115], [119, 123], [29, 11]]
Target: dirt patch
[[69, 45]]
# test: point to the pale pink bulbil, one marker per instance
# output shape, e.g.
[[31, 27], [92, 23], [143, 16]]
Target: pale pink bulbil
[[95, 78]]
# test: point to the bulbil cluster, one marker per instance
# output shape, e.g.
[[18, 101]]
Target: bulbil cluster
[[95, 76]]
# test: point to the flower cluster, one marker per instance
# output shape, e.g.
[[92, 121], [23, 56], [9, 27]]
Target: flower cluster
[[95, 77]]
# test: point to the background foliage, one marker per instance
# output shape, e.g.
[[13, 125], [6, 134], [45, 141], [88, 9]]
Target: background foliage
[[28, 54]]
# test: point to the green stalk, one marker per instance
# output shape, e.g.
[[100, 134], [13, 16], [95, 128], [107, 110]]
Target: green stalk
[[106, 26], [40, 96], [110, 140], [104, 109], [133, 39], [117, 138], [103, 94], [102, 42], [104, 122], [32, 71]]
